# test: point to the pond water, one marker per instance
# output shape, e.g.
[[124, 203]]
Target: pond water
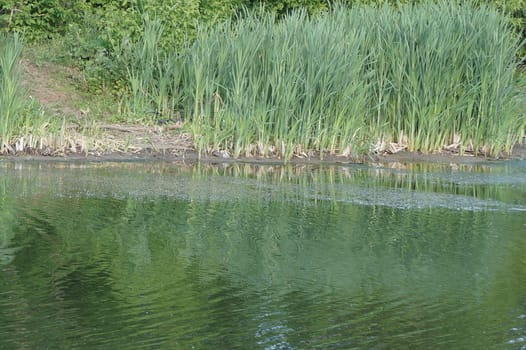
[[172, 256]]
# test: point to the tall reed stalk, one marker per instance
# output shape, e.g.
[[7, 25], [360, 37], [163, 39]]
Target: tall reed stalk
[[152, 75], [24, 125], [12, 100]]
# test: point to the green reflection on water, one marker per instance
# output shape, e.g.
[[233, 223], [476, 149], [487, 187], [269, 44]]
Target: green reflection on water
[[151, 255]]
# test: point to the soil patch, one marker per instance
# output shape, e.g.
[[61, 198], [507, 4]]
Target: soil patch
[[50, 85], [55, 88]]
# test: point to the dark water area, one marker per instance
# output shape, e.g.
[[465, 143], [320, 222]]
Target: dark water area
[[171, 256]]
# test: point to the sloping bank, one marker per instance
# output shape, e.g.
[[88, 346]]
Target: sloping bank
[[426, 78]]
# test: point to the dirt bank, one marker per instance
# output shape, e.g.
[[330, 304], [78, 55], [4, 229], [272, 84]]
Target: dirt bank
[[188, 155]]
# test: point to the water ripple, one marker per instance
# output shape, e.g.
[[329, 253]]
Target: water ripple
[[97, 259]]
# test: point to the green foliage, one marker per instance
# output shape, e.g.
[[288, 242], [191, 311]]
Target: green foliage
[[118, 19], [108, 27], [516, 9], [94, 29], [115, 21], [248, 80], [422, 76], [282, 7], [39, 19], [258, 87]]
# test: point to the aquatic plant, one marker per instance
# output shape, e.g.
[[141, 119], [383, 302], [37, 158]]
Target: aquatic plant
[[261, 87], [11, 98], [153, 76], [349, 82], [345, 80]]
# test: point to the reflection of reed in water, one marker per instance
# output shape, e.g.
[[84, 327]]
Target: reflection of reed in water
[[297, 182], [473, 180]]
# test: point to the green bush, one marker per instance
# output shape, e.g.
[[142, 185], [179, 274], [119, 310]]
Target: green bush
[[111, 22], [118, 19], [109, 26], [39, 19]]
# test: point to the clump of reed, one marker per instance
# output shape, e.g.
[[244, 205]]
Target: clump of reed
[[348, 82], [153, 76], [11, 98], [261, 87], [24, 126]]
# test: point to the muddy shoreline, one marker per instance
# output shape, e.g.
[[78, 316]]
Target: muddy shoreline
[[190, 156]]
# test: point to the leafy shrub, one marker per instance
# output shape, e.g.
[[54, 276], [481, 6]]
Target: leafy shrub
[[39, 19], [109, 25]]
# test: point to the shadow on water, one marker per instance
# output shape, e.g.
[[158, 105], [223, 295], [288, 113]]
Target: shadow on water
[[152, 255]]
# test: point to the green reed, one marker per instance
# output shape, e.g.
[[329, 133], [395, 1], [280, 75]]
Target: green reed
[[12, 100], [24, 125], [263, 87], [424, 76], [153, 76]]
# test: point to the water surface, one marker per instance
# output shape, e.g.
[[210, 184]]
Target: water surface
[[170, 256]]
